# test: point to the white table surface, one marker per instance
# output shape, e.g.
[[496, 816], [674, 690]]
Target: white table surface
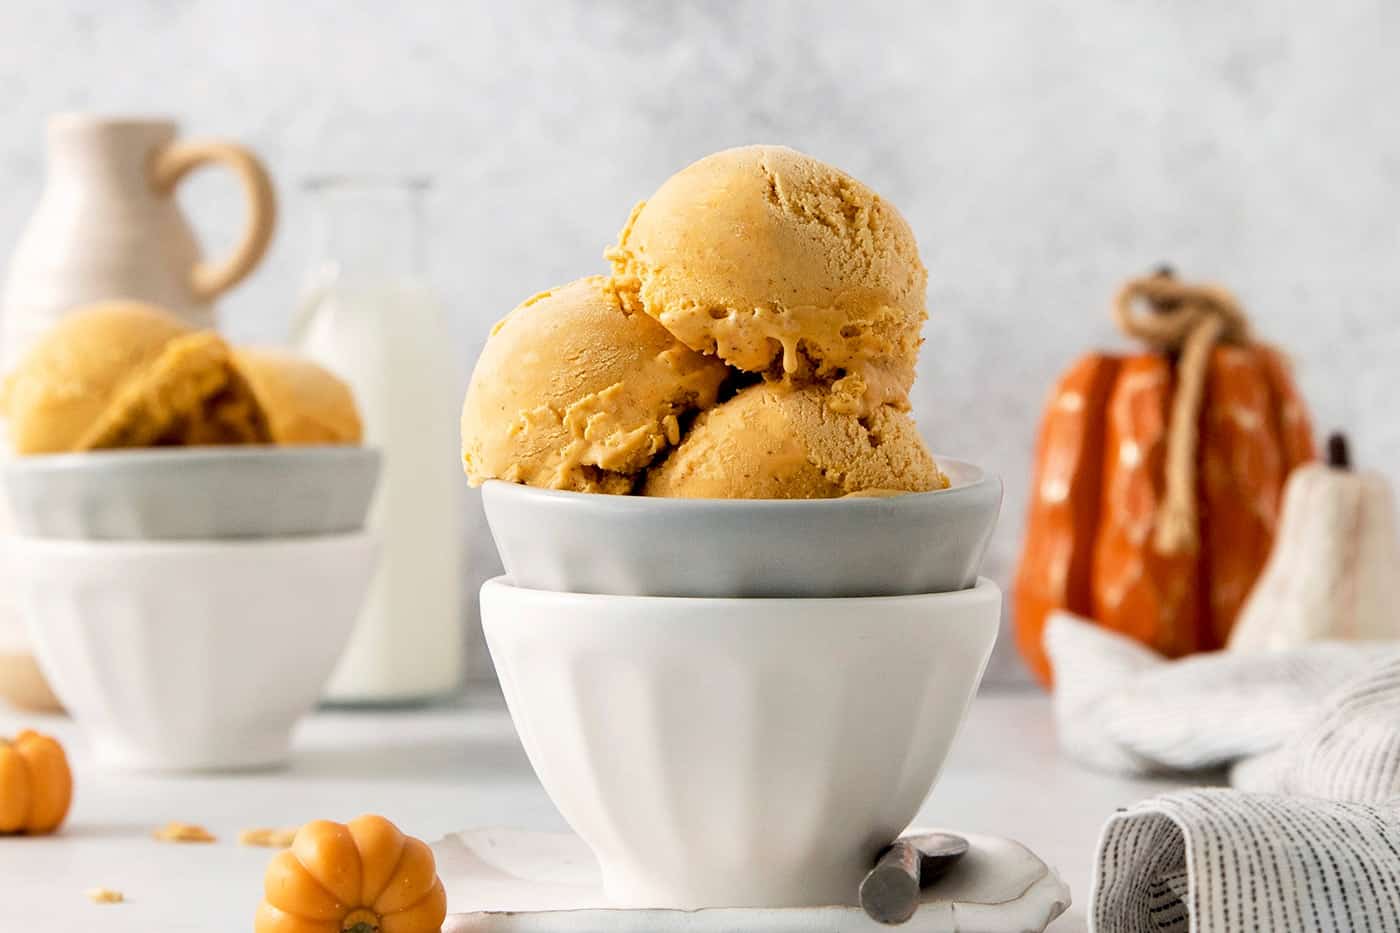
[[440, 770]]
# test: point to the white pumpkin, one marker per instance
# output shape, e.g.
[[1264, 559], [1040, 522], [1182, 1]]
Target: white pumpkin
[[1334, 573]]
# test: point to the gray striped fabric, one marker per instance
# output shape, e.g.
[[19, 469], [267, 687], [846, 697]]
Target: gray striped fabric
[[1310, 840], [1224, 861]]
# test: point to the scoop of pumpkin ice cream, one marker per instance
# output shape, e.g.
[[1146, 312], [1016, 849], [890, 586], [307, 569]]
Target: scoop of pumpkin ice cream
[[61, 387], [780, 264], [125, 374], [774, 442], [304, 403], [572, 391], [190, 395]]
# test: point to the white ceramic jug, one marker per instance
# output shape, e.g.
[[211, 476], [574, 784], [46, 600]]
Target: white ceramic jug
[[108, 226]]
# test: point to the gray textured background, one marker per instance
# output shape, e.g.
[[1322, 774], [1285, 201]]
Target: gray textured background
[[1040, 151]]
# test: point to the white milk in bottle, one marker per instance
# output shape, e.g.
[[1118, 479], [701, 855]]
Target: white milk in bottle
[[369, 316]]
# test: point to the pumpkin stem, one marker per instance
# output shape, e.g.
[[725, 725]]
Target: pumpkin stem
[[1338, 451], [360, 921]]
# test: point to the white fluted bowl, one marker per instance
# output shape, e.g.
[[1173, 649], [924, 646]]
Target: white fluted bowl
[[737, 752], [190, 656]]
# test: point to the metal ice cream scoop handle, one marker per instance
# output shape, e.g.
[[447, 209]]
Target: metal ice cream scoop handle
[[892, 889]]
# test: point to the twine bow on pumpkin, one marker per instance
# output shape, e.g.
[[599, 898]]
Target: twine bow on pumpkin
[[1186, 321]]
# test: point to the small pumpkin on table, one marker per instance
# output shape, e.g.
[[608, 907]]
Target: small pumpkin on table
[[364, 876], [36, 785]]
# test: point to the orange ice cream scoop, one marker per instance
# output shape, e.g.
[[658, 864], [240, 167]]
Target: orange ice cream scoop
[[125, 374], [574, 391], [773, 442], [780, 264], [304, 403], [190, 395]]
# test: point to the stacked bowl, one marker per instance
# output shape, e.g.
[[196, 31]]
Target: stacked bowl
[[741, 620], [740, 702], [189, 604]]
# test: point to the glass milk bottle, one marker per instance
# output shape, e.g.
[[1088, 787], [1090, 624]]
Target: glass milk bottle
[[369, 316]]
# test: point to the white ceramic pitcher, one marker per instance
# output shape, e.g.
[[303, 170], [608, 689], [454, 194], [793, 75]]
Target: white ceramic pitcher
[[108, 226]]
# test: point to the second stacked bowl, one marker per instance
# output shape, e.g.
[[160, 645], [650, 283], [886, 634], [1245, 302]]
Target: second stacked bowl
[[188, 604], [738, 703]]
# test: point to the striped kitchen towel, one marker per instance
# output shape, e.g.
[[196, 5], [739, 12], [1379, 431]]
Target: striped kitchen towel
[[1309, 840], [1350, 751], [1225, 861], [1121, 707]]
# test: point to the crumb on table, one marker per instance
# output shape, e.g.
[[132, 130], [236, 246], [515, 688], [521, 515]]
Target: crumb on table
[[105, 896], [270, 838], [183, 832]]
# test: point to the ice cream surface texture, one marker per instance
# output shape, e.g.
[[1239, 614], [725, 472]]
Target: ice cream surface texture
[[125, 374], [191, 395], [573, 391], [303, 402], [780, 264], [774, 442], [62, 386]]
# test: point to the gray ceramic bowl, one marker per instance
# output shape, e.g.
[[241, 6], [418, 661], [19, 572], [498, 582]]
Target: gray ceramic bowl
[[929, 542], [171, 493]]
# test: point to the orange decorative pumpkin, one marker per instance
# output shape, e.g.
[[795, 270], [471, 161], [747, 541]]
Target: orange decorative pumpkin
[[36, 786], [1158, 476], [358, 877]]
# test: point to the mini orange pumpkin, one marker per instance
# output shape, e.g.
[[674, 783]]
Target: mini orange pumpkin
[[36, 786], [358, 877]]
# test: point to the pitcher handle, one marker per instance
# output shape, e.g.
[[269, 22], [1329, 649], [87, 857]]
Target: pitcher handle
[[174, 161]]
